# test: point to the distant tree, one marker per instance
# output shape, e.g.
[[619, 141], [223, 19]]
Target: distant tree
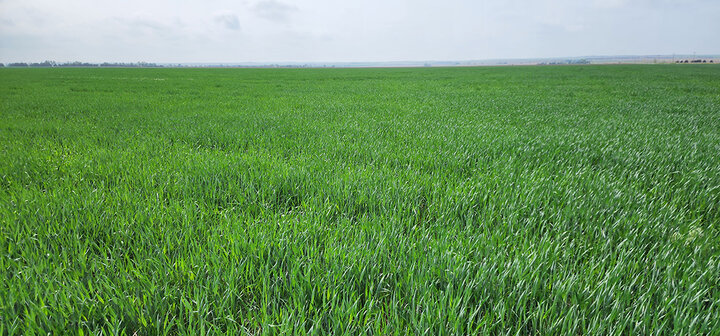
[[77, 64], [43, 64], [18, 64], [2, 65]]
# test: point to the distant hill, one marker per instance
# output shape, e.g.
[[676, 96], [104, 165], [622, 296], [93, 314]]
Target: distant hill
[[616, 59]]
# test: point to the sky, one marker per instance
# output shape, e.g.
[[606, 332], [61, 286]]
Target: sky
[[224, 31]]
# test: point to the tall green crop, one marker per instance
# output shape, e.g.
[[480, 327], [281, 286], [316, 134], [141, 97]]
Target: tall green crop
[[510, 200]]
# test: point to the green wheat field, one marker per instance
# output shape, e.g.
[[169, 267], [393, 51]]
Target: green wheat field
[[499, 200]]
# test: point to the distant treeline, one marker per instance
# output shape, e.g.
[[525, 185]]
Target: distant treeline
[[53, 64], [694, 61], [570, 61]]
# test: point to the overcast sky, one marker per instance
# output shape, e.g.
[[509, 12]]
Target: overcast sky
[[166, 31]]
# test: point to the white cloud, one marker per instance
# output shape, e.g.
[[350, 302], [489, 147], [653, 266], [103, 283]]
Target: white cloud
[[369, 30], [274, 10], [228, 20], [609, 3]]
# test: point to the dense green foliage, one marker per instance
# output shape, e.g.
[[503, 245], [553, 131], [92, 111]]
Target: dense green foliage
[[560, 200]]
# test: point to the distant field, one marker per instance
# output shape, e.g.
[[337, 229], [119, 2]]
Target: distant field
[[506, 200]]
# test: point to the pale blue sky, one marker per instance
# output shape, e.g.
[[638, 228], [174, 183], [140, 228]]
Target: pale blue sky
[[341, 31]]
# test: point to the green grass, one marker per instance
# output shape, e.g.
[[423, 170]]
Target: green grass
[[509, 200]]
